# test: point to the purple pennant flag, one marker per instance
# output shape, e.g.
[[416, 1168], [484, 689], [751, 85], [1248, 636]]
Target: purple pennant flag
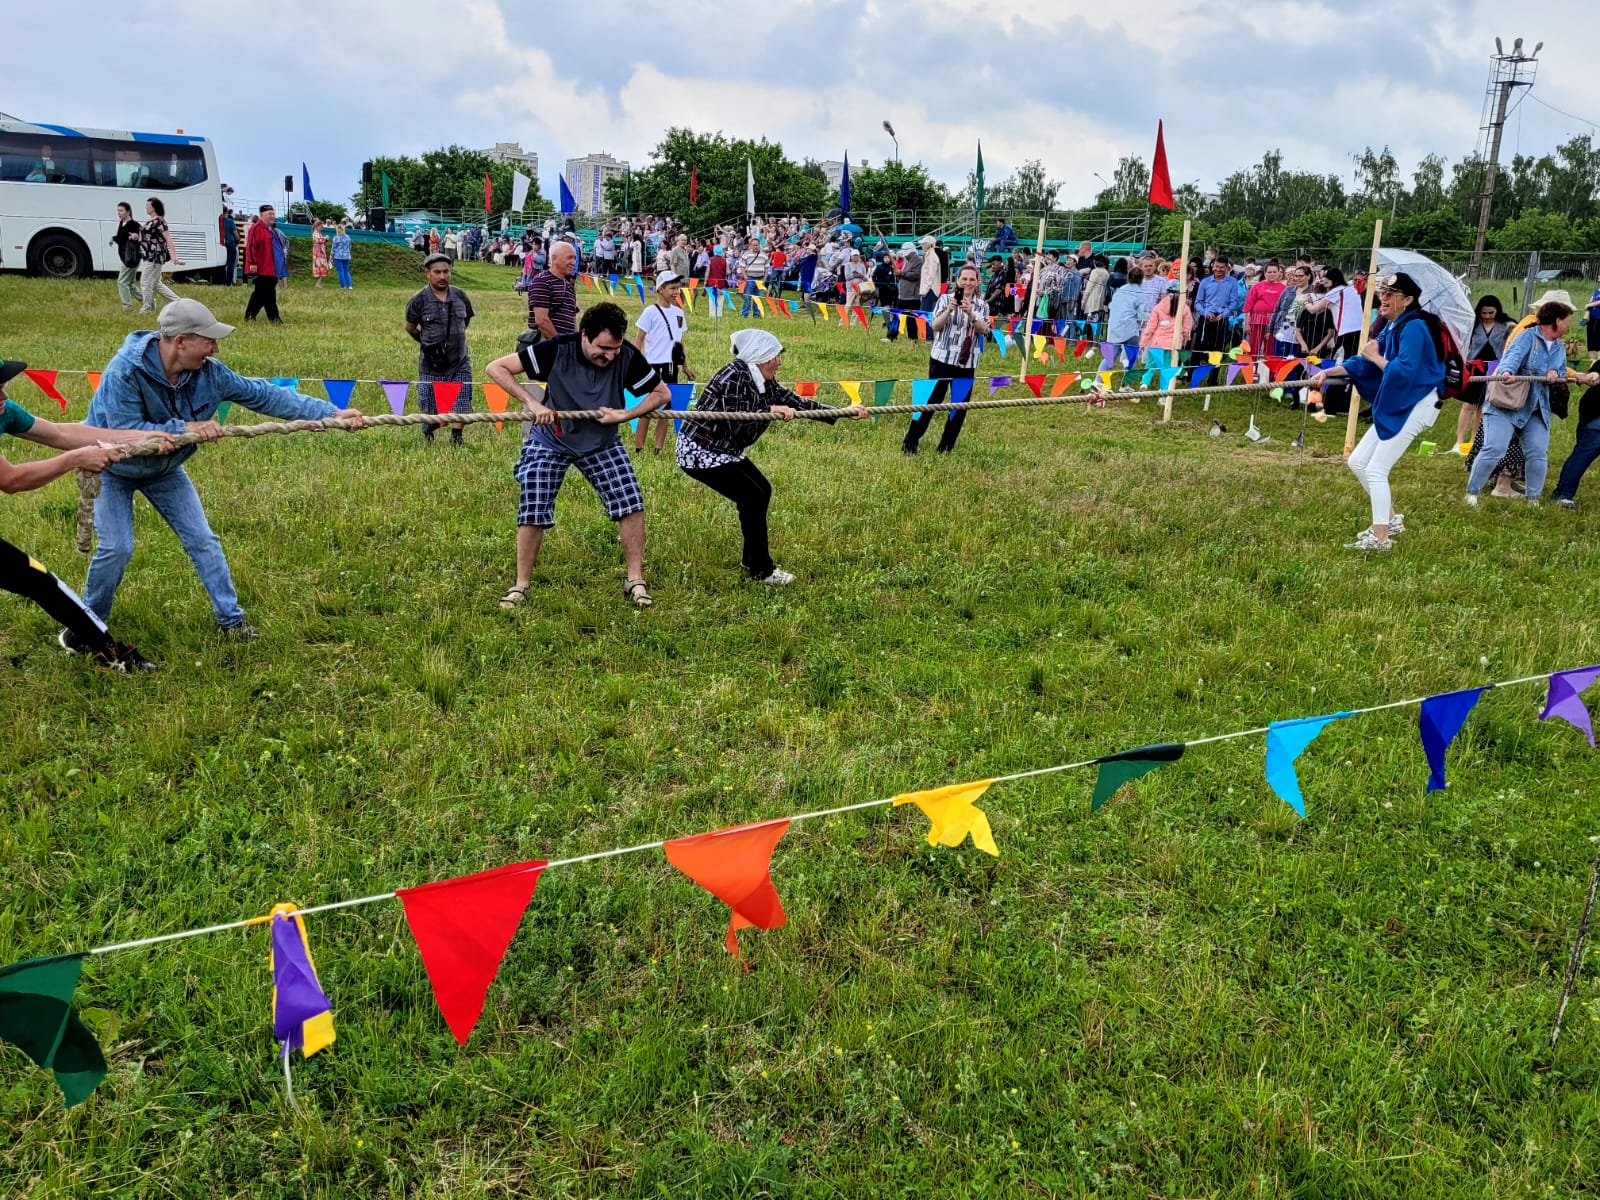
[[1233, 373], [299, 996], [996, 382], [339, 391], [1108, 352], [1566, 698], [1439, 720], [395, 390]]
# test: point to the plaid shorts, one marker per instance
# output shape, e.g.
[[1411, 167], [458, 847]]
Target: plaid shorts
[[609, 471]]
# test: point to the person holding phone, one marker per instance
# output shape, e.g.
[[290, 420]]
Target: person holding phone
[[959, 326]]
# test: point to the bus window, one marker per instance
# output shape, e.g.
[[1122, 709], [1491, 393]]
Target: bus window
[[103, 162]]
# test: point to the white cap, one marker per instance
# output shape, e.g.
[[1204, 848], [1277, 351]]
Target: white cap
[[667, 277], [190, 316]]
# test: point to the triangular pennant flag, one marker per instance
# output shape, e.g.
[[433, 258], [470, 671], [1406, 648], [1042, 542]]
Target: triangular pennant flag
[[1147, 378], [1169, 376], [395, 390], [1131, 352], [339, 391], [922, 327], [1105, 378], [882, 392], [1214, 358], [1565, 699], [496, 400], [805, 389], [1128, 765], [952, 816], [1273, 363], [861, 316], [222, 412], [1285, 741], [1061, 348], [47, 384], [1035, 384], [851, 388], [1288, 368], [1063, 382], [960, 391], [462, 927], [922, 390], [682, 394], [94, 381], [822, 308], [735, 866], [1001, 341], [996, 382], [1247, 372], [1439, 720], [1201, 374], [1233, 373], [36, 1017], [1108, 352], [284, 381], [302, 1014], [445, 396]]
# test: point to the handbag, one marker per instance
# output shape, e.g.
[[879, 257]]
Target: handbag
[[1508, 395], [130, 251], [1560, 399]]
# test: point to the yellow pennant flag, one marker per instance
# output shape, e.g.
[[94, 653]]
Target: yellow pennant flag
[[951, 815], [1105, 378], [1215, 358], [852, 388], [823, 309]]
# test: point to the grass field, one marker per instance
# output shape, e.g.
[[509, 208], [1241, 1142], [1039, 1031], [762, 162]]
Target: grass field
[[1191, 993]]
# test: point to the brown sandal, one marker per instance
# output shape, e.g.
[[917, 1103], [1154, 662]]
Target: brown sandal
[[514, 598], [635, 593]]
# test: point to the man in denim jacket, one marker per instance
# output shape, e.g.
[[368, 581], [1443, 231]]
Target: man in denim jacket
[[168, 382]]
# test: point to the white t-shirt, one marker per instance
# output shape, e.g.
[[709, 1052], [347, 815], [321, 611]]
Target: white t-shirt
[[1345, 304], [663, 328]]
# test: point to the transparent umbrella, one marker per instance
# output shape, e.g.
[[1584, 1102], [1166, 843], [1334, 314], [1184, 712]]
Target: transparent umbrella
[[1443, 294]]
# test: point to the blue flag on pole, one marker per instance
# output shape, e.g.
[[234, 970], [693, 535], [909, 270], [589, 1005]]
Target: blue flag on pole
[[568, 204], [305, 182], [1285, 741], [844, 186], [1440, 719]]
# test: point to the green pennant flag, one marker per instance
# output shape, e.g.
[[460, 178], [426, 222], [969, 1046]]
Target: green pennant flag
[[222, 412], [882, 392], [36, 1017], [385, 176], [979, 189], [1127, 765]]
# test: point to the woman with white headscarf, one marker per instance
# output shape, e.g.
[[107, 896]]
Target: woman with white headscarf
[[713, 452]]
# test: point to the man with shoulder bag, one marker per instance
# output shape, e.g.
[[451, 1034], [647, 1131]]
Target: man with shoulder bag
[[436, 319]]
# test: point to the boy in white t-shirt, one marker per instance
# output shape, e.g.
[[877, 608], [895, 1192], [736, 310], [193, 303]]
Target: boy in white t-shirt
[[661, 327]]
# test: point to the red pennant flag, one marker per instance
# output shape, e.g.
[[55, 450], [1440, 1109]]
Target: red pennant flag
[[1035, 384], [1160, 179], [445, 396], [1078, 348], [1274, 364], [47, 384], [487, 192], [94, 381], [735, 866], [463, 926], [861, 315], [694, 185], [805, 389]]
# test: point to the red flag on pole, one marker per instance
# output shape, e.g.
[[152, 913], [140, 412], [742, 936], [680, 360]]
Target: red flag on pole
[[1160, 179], [487, 192], [694, 185]]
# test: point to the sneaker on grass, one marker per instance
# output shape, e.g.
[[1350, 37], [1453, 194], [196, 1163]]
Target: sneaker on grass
[[1397, 524], [124, 658], [242, 632], [1366, 540], [778, 578]]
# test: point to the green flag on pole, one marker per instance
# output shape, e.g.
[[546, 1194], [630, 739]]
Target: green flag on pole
[[36, 1017], [385, 189], [979, 192], [627, 191]]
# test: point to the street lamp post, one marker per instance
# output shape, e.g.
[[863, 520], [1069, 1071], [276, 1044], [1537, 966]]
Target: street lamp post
[[889, 129]]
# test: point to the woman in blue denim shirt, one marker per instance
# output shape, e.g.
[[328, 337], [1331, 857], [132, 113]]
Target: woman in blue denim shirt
[[1537, 351]]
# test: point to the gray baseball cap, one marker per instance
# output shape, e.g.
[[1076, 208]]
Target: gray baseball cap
[[190, 316]]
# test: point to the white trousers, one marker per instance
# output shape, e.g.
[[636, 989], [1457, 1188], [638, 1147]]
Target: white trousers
[[1374, 457]]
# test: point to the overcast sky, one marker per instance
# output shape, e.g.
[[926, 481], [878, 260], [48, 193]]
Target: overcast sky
[[1076, 84]]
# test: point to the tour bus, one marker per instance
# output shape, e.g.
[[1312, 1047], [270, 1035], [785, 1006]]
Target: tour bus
[[59, 189]]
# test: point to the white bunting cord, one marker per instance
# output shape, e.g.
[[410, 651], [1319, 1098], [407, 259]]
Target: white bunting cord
[[378, 897]]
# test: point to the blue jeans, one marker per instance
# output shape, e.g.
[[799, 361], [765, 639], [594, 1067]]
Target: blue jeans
[[749, 304], [1497, 434], [174, 497], [1584, 453], [342, 265]]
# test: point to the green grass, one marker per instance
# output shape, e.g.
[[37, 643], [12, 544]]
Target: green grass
[[1191, 993]]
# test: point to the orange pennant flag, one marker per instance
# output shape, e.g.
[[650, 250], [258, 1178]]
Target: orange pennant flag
[[1061, 348], [805, 389], [1288, 366], [495, 397], [922, 327], [94, 381], [735, 866], [1063, 382]]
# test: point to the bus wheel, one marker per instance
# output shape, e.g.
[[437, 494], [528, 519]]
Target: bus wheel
[[58, 256]]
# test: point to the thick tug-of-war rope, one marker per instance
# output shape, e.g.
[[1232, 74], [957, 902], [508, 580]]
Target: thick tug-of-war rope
[[89, 482]]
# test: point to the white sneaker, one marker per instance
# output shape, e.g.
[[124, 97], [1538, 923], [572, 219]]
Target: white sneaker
[[778, 578], [1367, 540], [1397, 524], [1472, 501]]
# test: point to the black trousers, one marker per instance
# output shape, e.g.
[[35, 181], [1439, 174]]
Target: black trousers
[[744, 484], [953, 420], [22, 576], [263, 297]]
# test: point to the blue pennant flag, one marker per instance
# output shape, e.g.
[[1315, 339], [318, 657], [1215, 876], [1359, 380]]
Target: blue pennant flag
[[291, 384], [1440, 719], [1132, 353], [922, 392], [960, 391], [1169, 376], [305, 184], [682, 393], [844, 186], [339, 391], [1201, 374], [1285, 741], [568, 204]]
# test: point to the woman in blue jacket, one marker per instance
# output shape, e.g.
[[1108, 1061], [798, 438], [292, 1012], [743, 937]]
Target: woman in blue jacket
[[1399, 372]]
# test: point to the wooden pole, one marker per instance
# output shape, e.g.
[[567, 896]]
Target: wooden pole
[[1033, 291], [1576, 960], [1366, 323], [1177, 325]]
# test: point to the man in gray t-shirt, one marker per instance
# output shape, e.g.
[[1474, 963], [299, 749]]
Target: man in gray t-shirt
[[594, 368], [436, 319]]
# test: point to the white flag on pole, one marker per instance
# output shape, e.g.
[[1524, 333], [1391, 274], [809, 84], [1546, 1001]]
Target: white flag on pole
[[519, 190], [749, 188]]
